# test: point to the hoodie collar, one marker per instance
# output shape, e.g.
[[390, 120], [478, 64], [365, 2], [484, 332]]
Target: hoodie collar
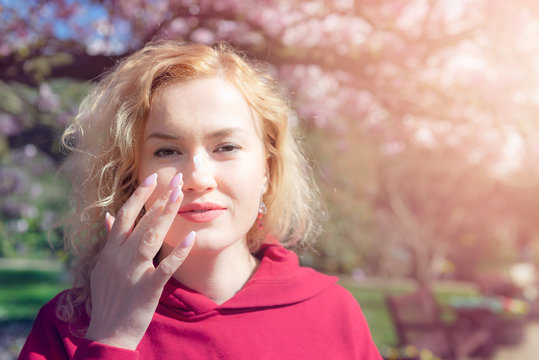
[[278, 281]]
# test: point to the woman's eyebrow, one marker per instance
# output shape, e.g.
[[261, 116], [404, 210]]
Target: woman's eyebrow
[[163, 136], [226, 132], [215, 134]]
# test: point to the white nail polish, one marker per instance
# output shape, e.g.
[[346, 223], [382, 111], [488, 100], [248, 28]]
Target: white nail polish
[[188, 239]]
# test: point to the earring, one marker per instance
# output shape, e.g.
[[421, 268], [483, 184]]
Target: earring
[[262, 209]]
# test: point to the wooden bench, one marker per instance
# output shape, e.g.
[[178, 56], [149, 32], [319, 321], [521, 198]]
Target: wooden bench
[[418, 321]]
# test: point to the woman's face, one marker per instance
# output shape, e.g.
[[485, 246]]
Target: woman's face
[[206, 130]]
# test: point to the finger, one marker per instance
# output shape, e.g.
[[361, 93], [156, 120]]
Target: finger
[[152, 236], [154, 225], [109, 221], [128, 213], [168, 266]]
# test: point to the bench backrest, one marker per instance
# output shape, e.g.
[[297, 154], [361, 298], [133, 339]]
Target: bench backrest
[[416, 312]]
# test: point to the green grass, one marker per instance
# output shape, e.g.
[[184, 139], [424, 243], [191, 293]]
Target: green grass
[[24, 291]]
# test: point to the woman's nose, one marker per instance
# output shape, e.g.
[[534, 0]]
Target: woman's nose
[[200, 174]]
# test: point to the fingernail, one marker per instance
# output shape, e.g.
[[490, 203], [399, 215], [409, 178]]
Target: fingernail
[[107, 216], [175, 195], [149, 180], [188, 239], [175, 181]]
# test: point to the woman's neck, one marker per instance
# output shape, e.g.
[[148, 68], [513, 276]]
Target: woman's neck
[[218, 275]]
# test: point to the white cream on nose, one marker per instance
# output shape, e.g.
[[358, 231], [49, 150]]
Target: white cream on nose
[[198, 162]]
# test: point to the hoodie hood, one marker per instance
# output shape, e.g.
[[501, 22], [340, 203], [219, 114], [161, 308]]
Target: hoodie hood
[[278, 281]]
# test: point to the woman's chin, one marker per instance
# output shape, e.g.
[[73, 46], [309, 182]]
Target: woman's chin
[[206, 245], [207, 240]]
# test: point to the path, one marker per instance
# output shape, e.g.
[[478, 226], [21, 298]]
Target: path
[[527, 350]]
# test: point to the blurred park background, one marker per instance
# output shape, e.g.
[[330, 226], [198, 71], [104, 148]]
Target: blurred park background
[[419, 117]]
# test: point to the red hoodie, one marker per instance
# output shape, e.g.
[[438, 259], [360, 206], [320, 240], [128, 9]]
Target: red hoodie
[[283, 312]]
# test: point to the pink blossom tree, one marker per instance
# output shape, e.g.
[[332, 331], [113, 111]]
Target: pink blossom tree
[[421, 113]]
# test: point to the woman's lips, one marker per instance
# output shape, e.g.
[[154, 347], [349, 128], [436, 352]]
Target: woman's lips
[[201, 212]]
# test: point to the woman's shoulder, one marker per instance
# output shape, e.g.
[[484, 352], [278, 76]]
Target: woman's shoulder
[[333, 293], [49, 309], [58, 329], [62, 311]]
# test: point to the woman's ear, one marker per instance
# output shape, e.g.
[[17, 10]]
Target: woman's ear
[[265, 183]]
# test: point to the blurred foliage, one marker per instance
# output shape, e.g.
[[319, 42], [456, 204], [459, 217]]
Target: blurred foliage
[[32, 196], [420, 116]]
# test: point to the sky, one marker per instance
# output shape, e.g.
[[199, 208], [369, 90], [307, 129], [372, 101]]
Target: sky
[[86, 14]]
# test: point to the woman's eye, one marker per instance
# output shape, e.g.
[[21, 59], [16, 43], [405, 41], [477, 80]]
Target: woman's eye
[[165, 152], [227, 148]]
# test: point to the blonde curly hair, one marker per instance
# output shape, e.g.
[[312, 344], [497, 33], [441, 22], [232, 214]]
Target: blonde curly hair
[[102, 145]]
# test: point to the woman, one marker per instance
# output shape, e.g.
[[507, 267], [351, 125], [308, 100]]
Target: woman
[[187, 184]]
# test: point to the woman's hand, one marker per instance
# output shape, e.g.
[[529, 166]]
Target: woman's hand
[[125, 285]]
